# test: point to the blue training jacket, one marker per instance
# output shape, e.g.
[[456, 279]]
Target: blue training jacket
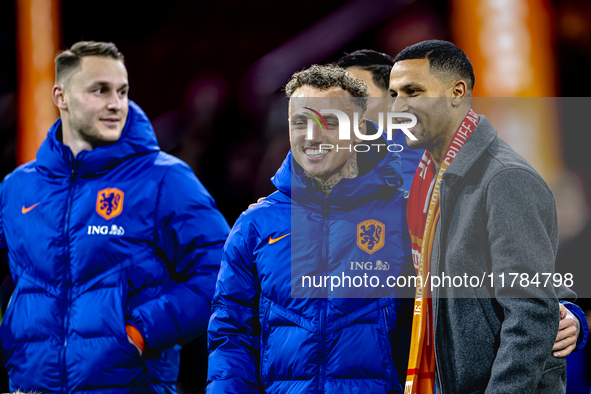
[[263, 340], [120, 235]]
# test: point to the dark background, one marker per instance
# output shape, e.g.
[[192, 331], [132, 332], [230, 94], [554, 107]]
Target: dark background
[[196, 70]]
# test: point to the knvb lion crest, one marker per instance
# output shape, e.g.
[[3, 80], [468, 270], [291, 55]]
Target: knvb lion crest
[[109, 203], [371, 235]]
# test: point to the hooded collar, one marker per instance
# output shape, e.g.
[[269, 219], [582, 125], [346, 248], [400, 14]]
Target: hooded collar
[[380, 182], [54, 159]]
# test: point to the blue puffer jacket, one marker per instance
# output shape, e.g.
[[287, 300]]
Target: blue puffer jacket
[[122, 234], [263, 340]]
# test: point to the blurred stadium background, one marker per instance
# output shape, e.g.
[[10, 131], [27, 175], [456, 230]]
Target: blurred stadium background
[[210, 76]]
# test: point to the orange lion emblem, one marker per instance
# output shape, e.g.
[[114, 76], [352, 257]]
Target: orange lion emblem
[[109, 203], [371, 235]]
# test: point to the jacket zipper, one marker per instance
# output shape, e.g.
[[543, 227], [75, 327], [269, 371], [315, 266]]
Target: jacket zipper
[[68, 280], [323, 301]]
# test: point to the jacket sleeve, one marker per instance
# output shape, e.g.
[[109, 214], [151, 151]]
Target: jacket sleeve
[[234, 327], [523, 238], [189, 235]]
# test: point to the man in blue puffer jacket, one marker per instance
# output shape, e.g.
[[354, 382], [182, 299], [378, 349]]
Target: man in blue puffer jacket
[[334, 211], [281, 323], [113, 246]]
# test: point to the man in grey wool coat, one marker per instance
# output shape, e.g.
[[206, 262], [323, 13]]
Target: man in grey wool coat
[[496, 216]]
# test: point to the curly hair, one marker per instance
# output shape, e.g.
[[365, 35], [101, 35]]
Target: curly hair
[[327, 77]]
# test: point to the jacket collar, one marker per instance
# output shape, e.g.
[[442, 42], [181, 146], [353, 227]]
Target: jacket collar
[[54, 159], [380, 182], [473, 149]]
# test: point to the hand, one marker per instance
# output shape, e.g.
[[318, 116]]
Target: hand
[[568, 332], [258, 201], [136, 346]]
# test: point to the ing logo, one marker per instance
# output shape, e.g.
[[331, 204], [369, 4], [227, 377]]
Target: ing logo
[[368, 266], [109, 203], [371, 235]]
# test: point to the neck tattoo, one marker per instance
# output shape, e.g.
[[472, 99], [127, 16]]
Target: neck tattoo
[[350, 169]]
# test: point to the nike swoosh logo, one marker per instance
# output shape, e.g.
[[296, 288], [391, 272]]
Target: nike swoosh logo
[[27, 210], [272, 241]]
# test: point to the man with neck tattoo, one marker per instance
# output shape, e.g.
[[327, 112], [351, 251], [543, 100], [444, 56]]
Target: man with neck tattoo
[[335, 210], [477, 209], [325, 168]]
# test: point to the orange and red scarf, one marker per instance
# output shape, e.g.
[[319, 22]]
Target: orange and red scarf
[[423, 215]]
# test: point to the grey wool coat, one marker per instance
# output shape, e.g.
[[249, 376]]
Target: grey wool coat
[[498, 216]]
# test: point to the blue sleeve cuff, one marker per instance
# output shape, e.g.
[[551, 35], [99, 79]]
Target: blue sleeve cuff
[[578, 312]]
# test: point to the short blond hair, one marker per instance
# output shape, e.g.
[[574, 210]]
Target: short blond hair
[[69, 60]]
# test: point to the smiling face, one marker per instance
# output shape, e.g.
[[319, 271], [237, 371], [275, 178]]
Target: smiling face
[[417, 91], [326, 162], [95, 104]]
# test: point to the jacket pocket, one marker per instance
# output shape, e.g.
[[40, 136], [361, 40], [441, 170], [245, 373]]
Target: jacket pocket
[[127, 347], [265, 329], [6, 335], [553, 379]]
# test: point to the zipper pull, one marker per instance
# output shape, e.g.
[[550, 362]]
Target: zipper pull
[[72, 176], [325, 211]]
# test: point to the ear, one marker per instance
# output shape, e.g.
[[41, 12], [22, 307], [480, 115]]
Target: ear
[[459, 93], [59, 97]]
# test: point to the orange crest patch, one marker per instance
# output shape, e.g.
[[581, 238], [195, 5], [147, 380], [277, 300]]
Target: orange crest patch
[[109, 203], [371, 235]]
